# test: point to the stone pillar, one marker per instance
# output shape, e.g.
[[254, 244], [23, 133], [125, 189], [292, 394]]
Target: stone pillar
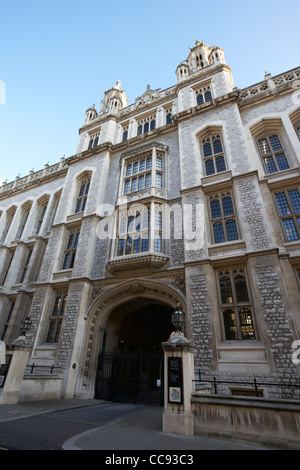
[[10, 393], [179, 374]]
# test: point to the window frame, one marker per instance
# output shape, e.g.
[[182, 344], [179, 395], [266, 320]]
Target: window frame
[[71, 249], [81, 200], [210, 139], [292, 215], [272, 154], [223, 218], [236, 306], [56, 318], [142, 177]]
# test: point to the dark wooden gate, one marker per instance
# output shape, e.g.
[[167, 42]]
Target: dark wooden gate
[[131, 378]]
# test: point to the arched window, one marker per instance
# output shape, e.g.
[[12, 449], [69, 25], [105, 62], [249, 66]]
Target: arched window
[[82, 195], [272, 153], [203, 95], [223, 218], [90, 143], [213, 154]]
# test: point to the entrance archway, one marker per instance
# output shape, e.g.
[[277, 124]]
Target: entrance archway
[[130, 365]]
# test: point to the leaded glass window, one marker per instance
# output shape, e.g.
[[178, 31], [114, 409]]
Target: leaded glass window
[[235, 305], [288, 206], [272, 154], [223, 219], [213, 155]]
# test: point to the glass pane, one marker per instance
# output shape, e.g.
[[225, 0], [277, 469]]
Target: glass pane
[[91, 144], [138, 221], [146, 127], [217, 146], [231, 229], [246, 322], [227, 206], [145, 242], [76, 240], [70, 242], [295, 200], [159, 163], [136, 245], [290, 229], [128, 170], [135, 168], [140, 130], [158, 220], [264, 147], [282, 204], [207, 152], [130, 225], [200, 99], [142, 165], [141, 182], [270, 165], [209, 167], [282, 162], [120, 247], [169, 118], [208, 96], [275, 142], [226, 292], [157, 242], [133, 184], [123, 225], [152, 125], [128, 246], [230, 324], [241, 290], [66, 261], [220, 163], [149, 163], [148, 180], [125, 136], [96, 141], [218, 232], [215, 209], [127, 187], [158, 180]]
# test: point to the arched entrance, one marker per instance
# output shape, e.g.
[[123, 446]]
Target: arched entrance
[[130, 363]]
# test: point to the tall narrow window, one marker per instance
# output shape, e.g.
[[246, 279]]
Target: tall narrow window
[[235, 305], [223, 218], [57, 317], [82, 195], [70, 251], [25, 266], [7, 264], [9, 219], [40, 219], [272, 154], [288, 206], [21, 228], [213, 154]]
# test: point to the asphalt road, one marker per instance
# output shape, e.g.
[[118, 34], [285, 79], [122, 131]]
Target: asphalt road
[[51, 430]]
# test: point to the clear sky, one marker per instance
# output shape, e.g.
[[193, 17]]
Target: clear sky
[[57, 58]]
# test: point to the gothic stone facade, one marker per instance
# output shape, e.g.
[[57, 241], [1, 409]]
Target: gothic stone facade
[[189, 195]]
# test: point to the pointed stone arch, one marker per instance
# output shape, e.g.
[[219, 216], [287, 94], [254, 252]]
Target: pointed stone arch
[[108, 301]]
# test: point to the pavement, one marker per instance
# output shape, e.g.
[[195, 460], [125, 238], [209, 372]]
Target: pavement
[[140, 429]]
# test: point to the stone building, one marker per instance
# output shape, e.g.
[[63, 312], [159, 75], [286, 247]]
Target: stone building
[[189, 195]]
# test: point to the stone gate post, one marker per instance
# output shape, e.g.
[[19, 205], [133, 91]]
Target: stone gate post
[[179, 385]]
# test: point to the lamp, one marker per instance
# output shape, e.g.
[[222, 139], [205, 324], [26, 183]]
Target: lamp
[[25, 325], [178, 318]]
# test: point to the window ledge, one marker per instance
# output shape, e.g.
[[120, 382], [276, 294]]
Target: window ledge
[[64, 274], [219, 248], [206, 181], [289, 176], [147, 260]]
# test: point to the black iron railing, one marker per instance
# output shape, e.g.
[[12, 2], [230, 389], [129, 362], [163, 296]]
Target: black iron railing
[[253, 384], [43, 370]]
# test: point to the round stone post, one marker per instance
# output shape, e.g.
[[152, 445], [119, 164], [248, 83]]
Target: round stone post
[[179, 374]]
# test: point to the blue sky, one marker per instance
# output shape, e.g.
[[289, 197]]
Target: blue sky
[[57, 58]]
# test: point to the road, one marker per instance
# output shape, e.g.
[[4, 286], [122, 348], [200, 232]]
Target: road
[[49, 431]]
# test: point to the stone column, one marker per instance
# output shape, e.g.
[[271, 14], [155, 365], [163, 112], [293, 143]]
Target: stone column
[[179, 385], [10, 393]]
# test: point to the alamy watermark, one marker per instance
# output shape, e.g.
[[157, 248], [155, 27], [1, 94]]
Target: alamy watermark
[[2, 92], [175, 222]]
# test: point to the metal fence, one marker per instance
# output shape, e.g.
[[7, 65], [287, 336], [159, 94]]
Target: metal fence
[[251, 387]]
